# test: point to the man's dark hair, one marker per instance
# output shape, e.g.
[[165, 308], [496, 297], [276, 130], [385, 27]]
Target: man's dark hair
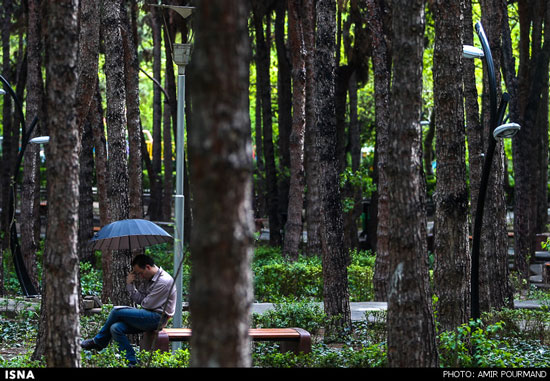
[[142, 260]]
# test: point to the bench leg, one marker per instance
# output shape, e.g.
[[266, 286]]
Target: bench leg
[[158, 339], [301, 345]]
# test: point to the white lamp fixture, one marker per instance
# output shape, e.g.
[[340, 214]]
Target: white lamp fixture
[[469, 51], [40, 140], [181, 53], [507, 130]]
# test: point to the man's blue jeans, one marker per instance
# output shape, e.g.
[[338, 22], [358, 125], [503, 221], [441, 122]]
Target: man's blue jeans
[[123, 321]]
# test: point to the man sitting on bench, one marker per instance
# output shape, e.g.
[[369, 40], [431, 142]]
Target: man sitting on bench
[[153, 315]]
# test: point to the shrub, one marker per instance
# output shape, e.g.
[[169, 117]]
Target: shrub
[[483, 345], [323, 356], [304, 314], [276, 278]]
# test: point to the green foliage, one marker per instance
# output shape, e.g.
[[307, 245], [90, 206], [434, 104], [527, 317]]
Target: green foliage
[[305, 314], [90, 279], [280, 279], [276, 278], [322, 356], [109, 357], [478, 344], [157, 359]]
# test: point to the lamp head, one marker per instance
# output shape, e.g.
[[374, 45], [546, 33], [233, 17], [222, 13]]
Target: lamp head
[[183, 11], [40, 140], [2, 92], [181, 53], [507, 130], [469, 51]]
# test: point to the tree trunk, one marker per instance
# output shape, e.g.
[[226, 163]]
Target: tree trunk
[[30, 188], [102, 179], [264, 91], [527, 102], [452, 253], [116, 137], [285, 121], [60, 307], [9, 140], [170, 119], [155, 203], [382, 64], [312, 203], [135, 170], [411, 327], [220, 156], [87, 83], [495, 289], [335, 257], [293, 227]]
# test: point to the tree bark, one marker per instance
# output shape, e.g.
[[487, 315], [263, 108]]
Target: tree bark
[[285, 116], [335, 258], [312, 202], [221, 160], [116, 138], [135, 169], [264, 91], [411, 327], [381, 64], [87, 83], [60, 307], [9, 140], [452, 253], [495, 289], [293, 227], [527, 90], [30, 188]]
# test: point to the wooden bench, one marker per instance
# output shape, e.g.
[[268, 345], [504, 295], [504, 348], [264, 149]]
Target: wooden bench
[[291, 339]]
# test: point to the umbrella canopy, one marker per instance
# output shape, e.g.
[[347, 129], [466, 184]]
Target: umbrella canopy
[[128, 235]]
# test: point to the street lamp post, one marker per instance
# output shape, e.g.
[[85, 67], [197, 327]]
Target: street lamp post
[[497, 131], [181, 54], [20, 269]]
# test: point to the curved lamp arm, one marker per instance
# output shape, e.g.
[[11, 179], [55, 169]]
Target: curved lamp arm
[[490, 71]]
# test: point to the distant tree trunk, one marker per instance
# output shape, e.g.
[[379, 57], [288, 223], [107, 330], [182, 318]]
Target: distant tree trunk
[[85, 205], [495, 289], [411, 326], [116, 133], [102, 179], [30, 188], [220, 157], [293, 227], [60, 307], [9, 140], [335, 257], [529, 90], [155, 202], [382, 65], [170, 119], [135, 170], [264, 92], [452, 252], [87, 82], [284, 101], [313, 214]]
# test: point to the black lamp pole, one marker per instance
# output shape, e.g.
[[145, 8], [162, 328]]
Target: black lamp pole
[[496, 118], [20, 269]]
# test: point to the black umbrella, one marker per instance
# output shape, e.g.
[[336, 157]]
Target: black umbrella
[[128, 235]]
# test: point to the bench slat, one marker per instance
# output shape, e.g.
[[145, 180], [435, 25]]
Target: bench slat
[[255, 333], [295, 339]]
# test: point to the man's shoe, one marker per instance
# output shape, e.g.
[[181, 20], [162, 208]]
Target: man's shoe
[[89, 345]]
